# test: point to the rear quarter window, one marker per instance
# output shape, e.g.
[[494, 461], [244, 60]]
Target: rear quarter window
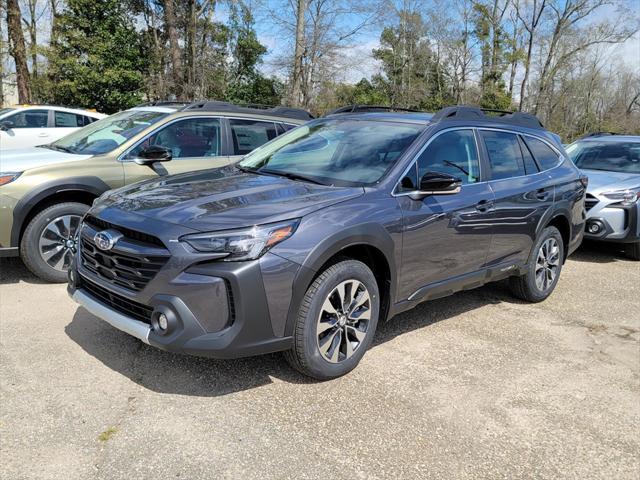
[[545, 155]]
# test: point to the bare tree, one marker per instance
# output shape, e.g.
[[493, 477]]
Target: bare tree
[[530, 21], [174, 46], [18, 50], [296, 77]]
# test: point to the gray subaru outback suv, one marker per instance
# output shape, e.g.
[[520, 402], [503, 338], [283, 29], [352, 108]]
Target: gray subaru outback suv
[[315, 237]]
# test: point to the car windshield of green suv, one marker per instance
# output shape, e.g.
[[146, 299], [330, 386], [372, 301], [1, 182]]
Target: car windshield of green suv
[[341, 152], [608, 156], [107, 134]]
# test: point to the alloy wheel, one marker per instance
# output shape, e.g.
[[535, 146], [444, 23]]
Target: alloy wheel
[[343, 321], [58, 241], [547, 264]]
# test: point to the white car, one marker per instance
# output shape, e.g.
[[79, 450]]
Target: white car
[[30, 126]]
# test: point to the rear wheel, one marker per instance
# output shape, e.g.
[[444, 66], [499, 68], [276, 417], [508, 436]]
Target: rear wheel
[[543, 268], [632, 250], [49, 241], [336, 322]]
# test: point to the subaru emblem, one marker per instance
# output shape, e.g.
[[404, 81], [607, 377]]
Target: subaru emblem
[[106, 239]]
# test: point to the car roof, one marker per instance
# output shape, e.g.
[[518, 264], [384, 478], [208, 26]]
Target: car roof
[[611, 138], [154, 109], [420, 118], [80, 111]]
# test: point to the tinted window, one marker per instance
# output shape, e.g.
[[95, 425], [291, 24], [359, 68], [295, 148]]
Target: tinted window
[[621, 157], [69, 120], [250, 134], [529, 163], [453, 153], [29, 119], [547, 158], [193, 137], [505, 157], [336, 151]]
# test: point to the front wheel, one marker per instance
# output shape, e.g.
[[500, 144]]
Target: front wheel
[[336, 322], [543, 268], [49, 241], [632, 250]]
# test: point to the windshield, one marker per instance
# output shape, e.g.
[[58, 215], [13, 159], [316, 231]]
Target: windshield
[[622, 157], [343, 152], [107, 134]]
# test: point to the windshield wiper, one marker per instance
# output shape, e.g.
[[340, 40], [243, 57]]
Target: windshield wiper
[[51, 146], [291, 176]]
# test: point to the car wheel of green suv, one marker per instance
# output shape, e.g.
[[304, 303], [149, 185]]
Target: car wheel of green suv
[[543, 268], [336, 322], [49, 241]]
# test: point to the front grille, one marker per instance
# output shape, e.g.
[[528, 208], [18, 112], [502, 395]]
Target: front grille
[[99, 224], [590, 201], [117, 302]]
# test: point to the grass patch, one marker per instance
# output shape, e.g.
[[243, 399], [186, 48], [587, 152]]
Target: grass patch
[[107, 434]]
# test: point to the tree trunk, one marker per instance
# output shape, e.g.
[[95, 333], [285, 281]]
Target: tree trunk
[[18, 50], [296, 80], [176, 54], [192, 26]]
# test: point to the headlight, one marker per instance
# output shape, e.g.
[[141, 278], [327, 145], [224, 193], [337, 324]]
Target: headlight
[[8, 177], [243, 244], [625, 197]]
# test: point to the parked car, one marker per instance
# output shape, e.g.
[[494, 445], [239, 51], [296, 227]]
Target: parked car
[[612, 163], [32, 125], [315, 237], [44, 191]]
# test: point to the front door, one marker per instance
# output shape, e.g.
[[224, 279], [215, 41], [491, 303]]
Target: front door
[[445, 236], [25, 128], [196, 144]]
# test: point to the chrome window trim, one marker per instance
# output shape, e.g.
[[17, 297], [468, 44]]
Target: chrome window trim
[[131, 160]]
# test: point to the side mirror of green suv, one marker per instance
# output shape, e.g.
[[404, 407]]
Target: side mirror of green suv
[[153, 154]]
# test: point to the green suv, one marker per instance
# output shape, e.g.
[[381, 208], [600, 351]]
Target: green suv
[[45, 191]]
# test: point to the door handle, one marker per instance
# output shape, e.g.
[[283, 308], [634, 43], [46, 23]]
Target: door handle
[[43, 134], [484, 205]]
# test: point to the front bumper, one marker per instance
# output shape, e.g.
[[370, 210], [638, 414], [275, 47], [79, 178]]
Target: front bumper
[[214, 309], [613, 222]]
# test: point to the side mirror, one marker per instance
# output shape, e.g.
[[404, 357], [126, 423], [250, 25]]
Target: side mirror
[[6, 125], [153, 154], [435, 183]]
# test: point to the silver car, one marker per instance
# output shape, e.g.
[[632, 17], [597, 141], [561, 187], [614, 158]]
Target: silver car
[[612, 163]]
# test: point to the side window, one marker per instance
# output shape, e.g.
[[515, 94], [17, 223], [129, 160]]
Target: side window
[[530, 166], [193, 137], [547, 158], [505, 157], [250, 134], [69, 120], [285, 127], [453, 153], [29, 119]]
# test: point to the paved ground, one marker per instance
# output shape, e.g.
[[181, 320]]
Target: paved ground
[[474, 386]]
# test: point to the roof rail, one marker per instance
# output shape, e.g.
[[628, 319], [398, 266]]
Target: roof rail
[[469, 112], [164, 103], [252, 109], [368, 108], [599, 134]]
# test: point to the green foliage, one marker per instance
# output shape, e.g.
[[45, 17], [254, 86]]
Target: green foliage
[[97, 59]]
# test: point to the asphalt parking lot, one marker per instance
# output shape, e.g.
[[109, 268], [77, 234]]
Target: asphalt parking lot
[[477, 385]]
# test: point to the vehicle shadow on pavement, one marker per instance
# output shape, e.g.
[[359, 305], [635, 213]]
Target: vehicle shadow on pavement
[[166, 372], [12, 270], [599, 252]]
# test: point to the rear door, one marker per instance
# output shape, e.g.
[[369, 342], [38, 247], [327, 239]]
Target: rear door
[[246, 135], [523, 196], [64, 123], [197, 143]]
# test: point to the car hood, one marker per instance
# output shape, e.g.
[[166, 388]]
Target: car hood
[[224, 198], [601, 181], [25, 158]]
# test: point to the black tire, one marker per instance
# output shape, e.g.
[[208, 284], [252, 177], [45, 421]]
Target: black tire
[[525, 286], [30, 243], [632, 250], [306, 356]]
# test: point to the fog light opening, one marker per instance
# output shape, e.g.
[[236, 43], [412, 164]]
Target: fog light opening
[[594, 228], [163, 322]]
